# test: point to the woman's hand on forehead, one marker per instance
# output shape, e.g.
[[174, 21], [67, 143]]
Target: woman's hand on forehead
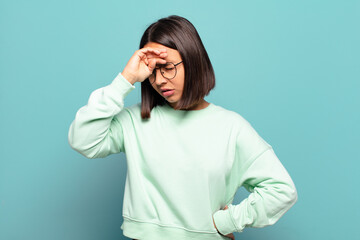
[[149, 50], [158, 54], [143, 62], [154, 53]]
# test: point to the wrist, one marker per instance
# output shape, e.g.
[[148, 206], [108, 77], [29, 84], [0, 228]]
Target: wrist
[[131, 79]]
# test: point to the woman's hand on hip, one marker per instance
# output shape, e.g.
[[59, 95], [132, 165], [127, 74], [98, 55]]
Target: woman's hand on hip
[[230, 235]]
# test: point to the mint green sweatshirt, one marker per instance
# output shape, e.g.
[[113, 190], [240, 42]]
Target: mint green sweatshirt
[[184, 167]]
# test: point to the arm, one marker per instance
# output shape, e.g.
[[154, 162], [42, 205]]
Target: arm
[[272, 190], [96, 132]]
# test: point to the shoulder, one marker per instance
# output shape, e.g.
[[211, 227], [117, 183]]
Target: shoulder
[[247, 136], [230, 116], [238, 127]]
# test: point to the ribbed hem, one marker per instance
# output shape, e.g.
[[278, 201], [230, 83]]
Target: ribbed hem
[[150, 231]]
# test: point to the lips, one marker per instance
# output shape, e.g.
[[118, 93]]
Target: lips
[[167, 93], [166, 89]]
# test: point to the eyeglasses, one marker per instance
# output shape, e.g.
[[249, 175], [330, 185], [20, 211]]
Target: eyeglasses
[[167, 70]]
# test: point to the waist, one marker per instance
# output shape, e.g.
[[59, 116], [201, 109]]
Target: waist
[[138, 230]]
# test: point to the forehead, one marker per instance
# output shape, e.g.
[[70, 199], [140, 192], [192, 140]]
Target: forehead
[[173, 55]]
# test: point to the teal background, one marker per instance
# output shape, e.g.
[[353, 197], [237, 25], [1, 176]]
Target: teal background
[[291, 68]]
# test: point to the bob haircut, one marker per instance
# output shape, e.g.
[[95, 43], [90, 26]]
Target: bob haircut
[[178, 33]]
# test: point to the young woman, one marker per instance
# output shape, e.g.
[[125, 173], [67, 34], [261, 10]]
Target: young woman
[[186, 157]]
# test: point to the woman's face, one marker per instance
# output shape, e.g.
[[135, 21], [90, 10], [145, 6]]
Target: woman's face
[[176, 84]]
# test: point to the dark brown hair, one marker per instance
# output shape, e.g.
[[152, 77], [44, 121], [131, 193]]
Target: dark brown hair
[[178, 33]]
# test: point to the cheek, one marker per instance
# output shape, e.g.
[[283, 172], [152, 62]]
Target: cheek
[[180, 81]]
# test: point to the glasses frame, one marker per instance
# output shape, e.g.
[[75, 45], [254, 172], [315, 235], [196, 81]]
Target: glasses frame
[[175, 64]]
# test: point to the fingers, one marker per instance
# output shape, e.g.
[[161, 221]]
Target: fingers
[[151, 60], [144, 53], [154, 50], [162, 55], [152, 64], [151, 52], [160, 61]]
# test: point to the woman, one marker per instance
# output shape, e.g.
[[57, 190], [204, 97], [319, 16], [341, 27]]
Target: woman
[[186, 157]]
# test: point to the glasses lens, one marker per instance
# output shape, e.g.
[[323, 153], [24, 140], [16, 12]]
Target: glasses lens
[[168, 71]]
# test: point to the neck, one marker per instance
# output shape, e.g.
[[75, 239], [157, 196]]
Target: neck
[[197, 106]]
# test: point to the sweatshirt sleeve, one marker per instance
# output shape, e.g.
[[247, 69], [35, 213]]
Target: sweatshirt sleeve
[[272, 191], [96, 132]]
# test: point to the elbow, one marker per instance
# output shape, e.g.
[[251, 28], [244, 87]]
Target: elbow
[[73, 139], [86, 153], [290, 197], [81, 150], [285, 200], [73, 143], [79, 147], [293, 195], [288, 192], [287, 196]]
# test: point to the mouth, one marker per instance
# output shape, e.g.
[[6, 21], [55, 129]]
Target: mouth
[[167, 92]]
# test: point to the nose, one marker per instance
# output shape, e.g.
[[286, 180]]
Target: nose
[[159, 79]]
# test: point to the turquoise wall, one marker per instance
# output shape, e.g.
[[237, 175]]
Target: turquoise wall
[[291, 68]]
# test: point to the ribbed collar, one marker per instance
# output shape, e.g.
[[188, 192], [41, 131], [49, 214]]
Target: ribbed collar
[[187, 113]]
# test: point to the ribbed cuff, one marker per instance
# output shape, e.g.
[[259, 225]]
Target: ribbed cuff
[[224, 222], [121, 85]]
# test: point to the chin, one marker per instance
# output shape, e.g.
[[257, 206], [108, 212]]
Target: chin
[[172, 101]]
